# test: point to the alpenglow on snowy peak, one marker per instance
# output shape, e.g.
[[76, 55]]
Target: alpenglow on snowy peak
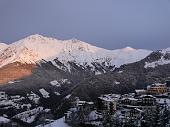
[[3, 46], [35, 48]]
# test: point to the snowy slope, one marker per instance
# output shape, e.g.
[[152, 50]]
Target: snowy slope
[[58, 123], [165, 59], [4, 120], [36, 47], [3, 46]]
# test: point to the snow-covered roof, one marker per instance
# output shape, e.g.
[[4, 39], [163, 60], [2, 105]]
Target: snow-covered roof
[[140, 90], [106, 99], [151, 96], [55, 83], [2, 92], [156, 85], [129, 98], [163, 101], [138, 109], [110, 97], [68, 96], [90, 103], [44, 93], [81, 102], [57, 123], [159, 84]]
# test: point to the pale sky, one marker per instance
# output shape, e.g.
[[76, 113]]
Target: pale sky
[[110, 24]]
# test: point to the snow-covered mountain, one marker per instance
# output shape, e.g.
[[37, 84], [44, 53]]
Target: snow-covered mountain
[[3, 46], [36, 48], [163, 58]]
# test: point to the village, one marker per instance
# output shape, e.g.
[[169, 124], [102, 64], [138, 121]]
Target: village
[[19, 111], [142, 108], [148, 107]]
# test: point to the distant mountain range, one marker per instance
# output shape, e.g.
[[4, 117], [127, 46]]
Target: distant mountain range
[[38, 62], [35, 48]]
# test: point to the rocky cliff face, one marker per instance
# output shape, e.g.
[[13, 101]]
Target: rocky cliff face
[[15, 71]]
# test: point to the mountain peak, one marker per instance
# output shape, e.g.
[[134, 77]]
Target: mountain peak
[[167, 50], [128, 48], [74, 40], [36, 47], [3, 46], [36, 36]]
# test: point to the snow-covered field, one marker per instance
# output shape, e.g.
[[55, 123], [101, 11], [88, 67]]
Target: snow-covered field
[[58, 123]]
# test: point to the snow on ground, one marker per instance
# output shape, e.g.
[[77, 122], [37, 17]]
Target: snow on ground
[[59, 82], [44, 93], [120, 72], [4, 120], [162, 61], [94, 115], [165, 101], [58, 123], [33, 97], [110, 97], [7, 103], [68, 96], [3, 46], [117, 83], [57, 93], [97, 73], [63, 81]]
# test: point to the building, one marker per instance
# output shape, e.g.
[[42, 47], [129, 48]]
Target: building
[[129, 101], [108, 102], [33, 97], [129, 95], [147, 100], [157, 88], [3, 95], [163, 101], [168, 85], [132, 113], [79, 112]]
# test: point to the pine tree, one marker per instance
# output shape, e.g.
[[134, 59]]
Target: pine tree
[[151, 117], [107, 119], [164, 117]]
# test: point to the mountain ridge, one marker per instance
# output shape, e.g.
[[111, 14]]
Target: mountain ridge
[[37, 47]]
